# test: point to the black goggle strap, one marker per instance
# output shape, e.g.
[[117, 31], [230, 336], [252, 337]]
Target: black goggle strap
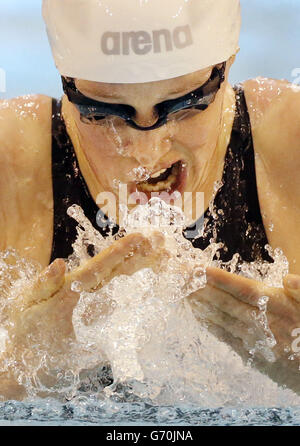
[[198, 99], [90, 108]]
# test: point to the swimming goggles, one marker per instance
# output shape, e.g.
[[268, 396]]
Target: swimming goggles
[[92, 111]]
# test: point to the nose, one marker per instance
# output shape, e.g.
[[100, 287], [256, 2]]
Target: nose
[[146, 118], [149, 147]]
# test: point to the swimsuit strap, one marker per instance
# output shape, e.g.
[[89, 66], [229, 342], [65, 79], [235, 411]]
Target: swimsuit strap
[[69, 187], [237, 221]]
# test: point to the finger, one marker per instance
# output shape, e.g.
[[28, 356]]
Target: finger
[[241, 288], [251, 291], [246, 332], [226, 303], [49, 282], [291, 284], [125, 256]]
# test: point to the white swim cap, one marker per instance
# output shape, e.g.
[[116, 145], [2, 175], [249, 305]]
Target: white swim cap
[[133, 41]]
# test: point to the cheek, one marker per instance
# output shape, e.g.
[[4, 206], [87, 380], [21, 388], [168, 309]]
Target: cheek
[[112, 140], [104, 155], [99, 140], [201, 130]]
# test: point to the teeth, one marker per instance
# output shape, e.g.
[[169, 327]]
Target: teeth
[[157, 174], [161, 186]]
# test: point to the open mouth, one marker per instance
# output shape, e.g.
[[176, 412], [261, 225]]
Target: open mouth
[[168, 180]]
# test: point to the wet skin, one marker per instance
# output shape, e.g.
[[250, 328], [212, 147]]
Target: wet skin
[[26, 202]]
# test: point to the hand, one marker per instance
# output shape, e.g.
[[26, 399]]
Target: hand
[[251, 316], [39, 322]]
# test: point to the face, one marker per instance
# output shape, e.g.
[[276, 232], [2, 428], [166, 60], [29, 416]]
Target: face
[[179, 155]]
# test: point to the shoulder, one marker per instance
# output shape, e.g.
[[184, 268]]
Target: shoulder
[[32, 102], [274, 109], [265, 95], [25, 174], [25, 133], [26, 119]]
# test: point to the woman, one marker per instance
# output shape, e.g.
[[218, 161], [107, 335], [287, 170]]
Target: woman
[[146, 90]]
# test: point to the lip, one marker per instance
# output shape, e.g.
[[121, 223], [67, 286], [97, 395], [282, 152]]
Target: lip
[[178, 185]]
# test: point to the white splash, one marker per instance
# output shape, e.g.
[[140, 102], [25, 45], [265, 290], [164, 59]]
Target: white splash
[[149, 334]]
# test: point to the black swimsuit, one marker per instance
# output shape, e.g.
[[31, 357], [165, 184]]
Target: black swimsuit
[[239, 226]]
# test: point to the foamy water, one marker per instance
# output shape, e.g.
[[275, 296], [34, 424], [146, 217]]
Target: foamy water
[[149, 348]]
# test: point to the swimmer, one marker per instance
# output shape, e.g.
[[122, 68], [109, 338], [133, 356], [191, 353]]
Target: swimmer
[[146, 85]]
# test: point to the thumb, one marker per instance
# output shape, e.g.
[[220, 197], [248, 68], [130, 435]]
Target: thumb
[[48, 282], [291, 284]]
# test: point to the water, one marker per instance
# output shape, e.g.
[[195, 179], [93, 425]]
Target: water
[[140, 356], [89, 413], [244, 397]]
